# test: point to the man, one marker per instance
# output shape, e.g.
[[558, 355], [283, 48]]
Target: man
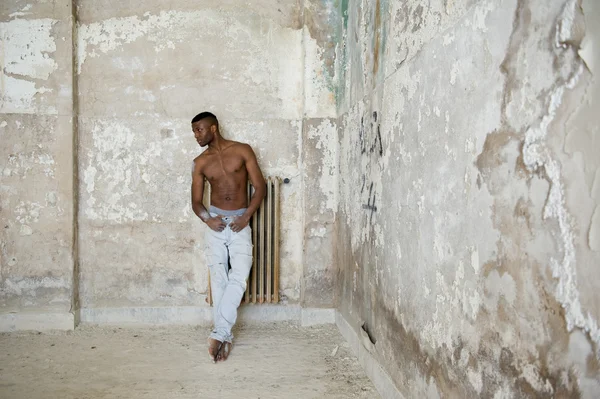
[[227, 165]]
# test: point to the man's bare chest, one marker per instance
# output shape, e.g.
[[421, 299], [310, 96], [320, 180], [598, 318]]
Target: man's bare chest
[[224, 165]]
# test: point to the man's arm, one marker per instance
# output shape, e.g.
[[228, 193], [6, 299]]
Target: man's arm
[[198, 192], [215, 223], [258, 181]]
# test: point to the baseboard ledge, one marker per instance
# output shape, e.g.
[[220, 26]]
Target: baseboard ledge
[[317, 316], [380, 378], [152, 316], [190, 315], [33, 321]]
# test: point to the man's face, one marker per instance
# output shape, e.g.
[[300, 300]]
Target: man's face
[[203, 132]]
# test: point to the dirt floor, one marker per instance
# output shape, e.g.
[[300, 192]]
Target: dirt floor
[[267, 361]]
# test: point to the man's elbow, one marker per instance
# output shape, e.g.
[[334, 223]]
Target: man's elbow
[[196, 205], [263, 191]]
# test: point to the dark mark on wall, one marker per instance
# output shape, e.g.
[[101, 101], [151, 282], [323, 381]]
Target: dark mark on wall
[[370, 143], [370, 205], [376, 144], [417, 16], [378, 140], [361, 135]]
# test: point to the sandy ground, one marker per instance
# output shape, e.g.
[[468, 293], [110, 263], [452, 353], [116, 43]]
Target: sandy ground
[[267, 361]]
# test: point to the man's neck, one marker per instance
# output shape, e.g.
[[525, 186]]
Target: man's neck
[[217, 143]]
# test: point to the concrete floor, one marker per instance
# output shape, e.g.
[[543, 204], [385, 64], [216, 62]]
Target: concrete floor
[[268, 361]]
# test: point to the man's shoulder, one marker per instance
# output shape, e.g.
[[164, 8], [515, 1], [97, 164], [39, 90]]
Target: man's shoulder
[[241, 148], [201, 159], [238, 145]]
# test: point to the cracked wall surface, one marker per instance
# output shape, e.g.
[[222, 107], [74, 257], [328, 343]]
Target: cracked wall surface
[[467, 226], [36, 158]]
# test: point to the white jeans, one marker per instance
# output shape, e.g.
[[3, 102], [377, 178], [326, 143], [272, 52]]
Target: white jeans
[[227, 286]]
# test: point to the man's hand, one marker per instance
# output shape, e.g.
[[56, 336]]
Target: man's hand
[[216, 223], [239, 223]]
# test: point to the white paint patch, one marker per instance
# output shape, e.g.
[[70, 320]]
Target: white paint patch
[[499, 287], [318, 232], [476, 380], [110, 168], [480, 15], [594, 233], [27, 48], [454, 72], [503, 393], [532, 376], [327, 141], [27, 212], [475, 259], [25, 230], [563, 31], [22, 163], [448, 38], [470, 146], [22, 13]]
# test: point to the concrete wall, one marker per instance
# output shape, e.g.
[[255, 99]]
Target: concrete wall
[[140, 74], [467, 234], [36, 164]]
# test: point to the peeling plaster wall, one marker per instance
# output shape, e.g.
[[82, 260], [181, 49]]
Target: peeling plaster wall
[[36, 159], [467, 232], [320, 153], [139, 75], [142, 75]]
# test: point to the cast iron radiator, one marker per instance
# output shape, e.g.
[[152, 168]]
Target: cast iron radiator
[[263, 282]]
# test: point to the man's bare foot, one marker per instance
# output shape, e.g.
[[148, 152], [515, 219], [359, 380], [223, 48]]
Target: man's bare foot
[[225, 350], [214, 349]]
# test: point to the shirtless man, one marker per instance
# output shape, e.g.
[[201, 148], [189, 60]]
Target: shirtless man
[[227, 165]]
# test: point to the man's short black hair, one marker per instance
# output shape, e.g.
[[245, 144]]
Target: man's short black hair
[[205, 115]]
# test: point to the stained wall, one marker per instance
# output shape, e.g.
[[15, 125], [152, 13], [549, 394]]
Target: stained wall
[[467, 226]]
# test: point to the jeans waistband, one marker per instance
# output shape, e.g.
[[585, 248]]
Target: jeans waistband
[[214, 211]]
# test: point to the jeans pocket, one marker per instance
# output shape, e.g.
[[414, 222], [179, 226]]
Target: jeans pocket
[[247, 250], [210, 258]]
